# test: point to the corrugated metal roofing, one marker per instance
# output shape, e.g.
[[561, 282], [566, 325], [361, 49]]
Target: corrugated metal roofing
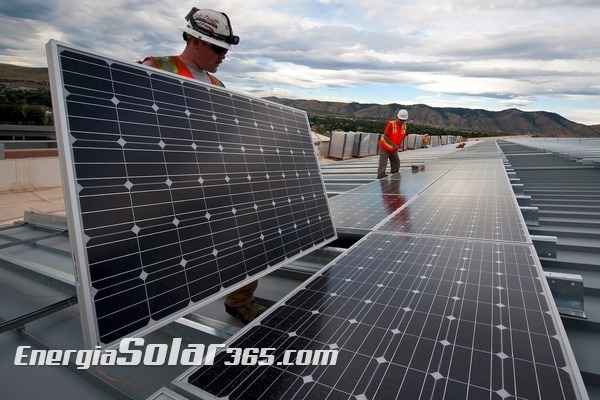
[[560, 178], [565, 188]]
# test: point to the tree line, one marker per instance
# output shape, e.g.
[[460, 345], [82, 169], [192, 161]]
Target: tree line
[[29, 107], [25, 107], [324, 125]]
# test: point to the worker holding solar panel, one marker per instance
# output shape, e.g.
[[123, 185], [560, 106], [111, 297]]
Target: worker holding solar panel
[[209, 36], [394, 134]]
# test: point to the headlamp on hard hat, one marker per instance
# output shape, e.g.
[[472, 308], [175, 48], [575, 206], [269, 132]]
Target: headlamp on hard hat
[[231, 38]]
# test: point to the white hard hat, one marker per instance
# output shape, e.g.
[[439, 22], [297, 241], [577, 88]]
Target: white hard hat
[[210, 26], [403, 114]]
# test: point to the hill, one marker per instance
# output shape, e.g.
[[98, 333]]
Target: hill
[[506, 122], [14, 76]]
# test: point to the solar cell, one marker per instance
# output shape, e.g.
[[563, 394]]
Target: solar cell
[[359, 210], [477, 172], [176, 191], [456, 307], [474, 217], [408, 185], [360, 213], [412, 317], [470, 187]]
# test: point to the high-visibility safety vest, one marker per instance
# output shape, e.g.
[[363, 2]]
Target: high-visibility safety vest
[[393, 136], [175, 65]]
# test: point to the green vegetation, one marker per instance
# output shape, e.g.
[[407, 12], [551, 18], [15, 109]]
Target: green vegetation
[[39, 97], [28, 107], [324, 125], [25, 107]]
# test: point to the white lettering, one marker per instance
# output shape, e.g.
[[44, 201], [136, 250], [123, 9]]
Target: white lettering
[[109, 357], [150, 358], [193, 355], [173, 356], [38, 354], [132, 351], [83, 359], [67, 356], [19, 355], [210, 354], [136, 355], [54, 357]]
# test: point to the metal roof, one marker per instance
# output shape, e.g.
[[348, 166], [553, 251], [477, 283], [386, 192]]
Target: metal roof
[[37, 274], [562, 178]]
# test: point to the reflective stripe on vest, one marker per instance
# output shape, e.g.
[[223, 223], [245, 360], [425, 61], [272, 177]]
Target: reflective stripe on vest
[[175, 65], [392, 143]]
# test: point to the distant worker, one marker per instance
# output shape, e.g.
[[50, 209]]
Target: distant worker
[[426, 140], [394, 134], [208, 36]]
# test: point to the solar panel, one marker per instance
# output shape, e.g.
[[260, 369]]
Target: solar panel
[[474, 217], [454, 305], [474, 187], [477, 172], [406, 185], [177, 192], [412, 317], [358, 214], [358, 211], [481, 151]]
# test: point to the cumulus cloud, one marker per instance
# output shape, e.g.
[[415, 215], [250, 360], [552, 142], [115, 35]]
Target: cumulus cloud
[[498, 52]]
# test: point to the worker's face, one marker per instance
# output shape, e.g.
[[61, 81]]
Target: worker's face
[[208, 56]]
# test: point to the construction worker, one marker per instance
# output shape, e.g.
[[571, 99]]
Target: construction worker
[[394, 134], [208, 36], [426, 140]]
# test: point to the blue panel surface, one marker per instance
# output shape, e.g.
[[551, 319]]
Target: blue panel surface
[[177, 190], [411, 317]]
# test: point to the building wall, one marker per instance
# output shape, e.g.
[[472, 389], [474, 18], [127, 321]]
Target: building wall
[[29, 173]]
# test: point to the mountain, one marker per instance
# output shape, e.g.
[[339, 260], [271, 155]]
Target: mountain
[[15, 76], [506, 122]]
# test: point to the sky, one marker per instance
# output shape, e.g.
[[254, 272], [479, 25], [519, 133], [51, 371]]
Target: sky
[[533, 55]]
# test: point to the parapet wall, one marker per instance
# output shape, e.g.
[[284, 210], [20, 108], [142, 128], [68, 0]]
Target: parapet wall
[[18, 174]]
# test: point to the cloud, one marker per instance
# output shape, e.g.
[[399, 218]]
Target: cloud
[[530, 51]]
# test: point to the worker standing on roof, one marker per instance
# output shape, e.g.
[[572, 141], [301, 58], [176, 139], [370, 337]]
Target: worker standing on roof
[[208, 37], [426, 140], [394, 134]]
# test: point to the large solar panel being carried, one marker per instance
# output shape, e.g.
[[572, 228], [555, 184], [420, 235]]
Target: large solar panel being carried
[[176, 191]]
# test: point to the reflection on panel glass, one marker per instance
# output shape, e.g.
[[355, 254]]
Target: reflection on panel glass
[[491, 218]]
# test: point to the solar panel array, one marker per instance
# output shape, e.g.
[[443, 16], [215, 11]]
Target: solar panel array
[[473, 217], [359, 210], [443, 299], [177, 191]]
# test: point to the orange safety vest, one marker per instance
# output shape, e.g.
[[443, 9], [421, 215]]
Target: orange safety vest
[[175, 65], [393, 136]]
